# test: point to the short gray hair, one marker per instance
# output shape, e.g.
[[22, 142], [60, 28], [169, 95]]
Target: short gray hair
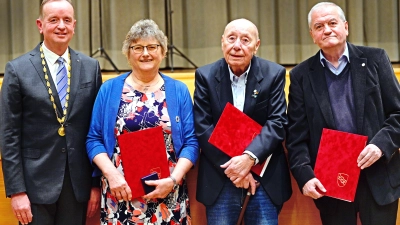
[[145, 29], [323, 4]]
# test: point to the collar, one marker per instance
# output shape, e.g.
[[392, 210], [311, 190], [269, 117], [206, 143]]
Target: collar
[[52, 57], [242, 77], [344, 57]]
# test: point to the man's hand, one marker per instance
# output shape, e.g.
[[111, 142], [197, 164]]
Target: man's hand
[[248, 182], [310, 189], [21, 207], [94, 202], [238, 167], [370, 154]]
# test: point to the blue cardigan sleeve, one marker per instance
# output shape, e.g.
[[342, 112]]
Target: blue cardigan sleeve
[[180, 109], [101, 138], [190, 146], [94, 141]]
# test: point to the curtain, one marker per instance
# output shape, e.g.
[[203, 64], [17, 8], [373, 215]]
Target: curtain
[[196, 27]]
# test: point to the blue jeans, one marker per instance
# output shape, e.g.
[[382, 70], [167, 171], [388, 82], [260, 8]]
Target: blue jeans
[[226, 209]]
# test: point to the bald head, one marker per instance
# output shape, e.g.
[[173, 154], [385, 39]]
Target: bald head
[[239, 44], [242, 23]]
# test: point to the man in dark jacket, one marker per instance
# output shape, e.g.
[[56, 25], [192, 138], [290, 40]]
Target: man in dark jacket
[[353, 89]]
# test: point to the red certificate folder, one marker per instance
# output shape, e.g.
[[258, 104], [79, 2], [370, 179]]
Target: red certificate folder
[[234, 132], [336, 165], [143, 152]]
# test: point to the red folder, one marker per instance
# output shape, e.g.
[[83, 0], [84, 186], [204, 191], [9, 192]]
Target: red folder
[[234, 132], [336, 165], [143, 152]]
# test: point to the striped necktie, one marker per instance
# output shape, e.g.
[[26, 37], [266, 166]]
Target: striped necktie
[[62, 81]]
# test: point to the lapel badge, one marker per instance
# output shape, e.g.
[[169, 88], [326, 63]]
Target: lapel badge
[[255, 93]]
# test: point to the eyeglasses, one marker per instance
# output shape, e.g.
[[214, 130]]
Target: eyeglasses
[[140, 48]]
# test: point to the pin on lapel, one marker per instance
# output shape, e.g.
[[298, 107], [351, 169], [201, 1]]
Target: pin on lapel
[[255, 93]]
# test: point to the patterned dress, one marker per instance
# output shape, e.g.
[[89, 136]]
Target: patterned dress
[[138, 111]]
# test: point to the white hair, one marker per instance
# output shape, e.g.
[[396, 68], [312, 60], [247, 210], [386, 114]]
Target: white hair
[[324, 4]]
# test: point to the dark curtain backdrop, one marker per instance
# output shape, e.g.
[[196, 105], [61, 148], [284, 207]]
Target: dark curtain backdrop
[[197, 26]]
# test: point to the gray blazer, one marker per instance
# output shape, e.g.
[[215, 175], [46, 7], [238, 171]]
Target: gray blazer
[[34, 156], [377, 105]]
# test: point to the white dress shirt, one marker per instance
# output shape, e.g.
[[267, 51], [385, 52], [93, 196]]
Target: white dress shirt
[[238, 84], [51, 61]]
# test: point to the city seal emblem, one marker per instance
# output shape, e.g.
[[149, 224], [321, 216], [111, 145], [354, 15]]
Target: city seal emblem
[[342, 179]]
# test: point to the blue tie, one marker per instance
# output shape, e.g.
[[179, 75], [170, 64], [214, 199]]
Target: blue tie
[[62, 81]]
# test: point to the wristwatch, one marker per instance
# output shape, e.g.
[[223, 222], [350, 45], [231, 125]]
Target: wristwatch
[[251, 157]]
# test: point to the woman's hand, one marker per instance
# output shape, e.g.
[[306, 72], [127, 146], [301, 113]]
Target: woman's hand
[[163, 188], [118, 186]]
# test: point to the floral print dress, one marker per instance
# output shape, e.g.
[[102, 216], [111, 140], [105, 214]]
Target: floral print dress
[[138, 111]]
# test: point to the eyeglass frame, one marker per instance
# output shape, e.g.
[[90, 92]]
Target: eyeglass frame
[[144, 47]]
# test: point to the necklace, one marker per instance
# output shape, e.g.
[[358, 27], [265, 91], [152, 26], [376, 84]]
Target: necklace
[[61, 121], [145, 87]]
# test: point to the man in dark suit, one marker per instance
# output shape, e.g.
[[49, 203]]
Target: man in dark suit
[[256, 87], [43, 131], [353, 89]]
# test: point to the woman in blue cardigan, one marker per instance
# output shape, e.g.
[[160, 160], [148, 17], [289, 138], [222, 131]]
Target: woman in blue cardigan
[[140, 99]]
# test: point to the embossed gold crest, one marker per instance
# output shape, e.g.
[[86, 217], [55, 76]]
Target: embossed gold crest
[[342, 179], [156, 170]]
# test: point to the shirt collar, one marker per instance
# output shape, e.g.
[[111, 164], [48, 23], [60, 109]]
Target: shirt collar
[[242, 77], [52, 57], [344, 57]]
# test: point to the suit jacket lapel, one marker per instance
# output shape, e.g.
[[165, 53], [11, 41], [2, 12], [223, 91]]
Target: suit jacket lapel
[[75, 78], [358, 67], [37, 63], [223, 87], [319, 87], [254, 79]]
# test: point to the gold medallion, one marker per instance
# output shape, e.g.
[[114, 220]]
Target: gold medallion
[[61, 131]]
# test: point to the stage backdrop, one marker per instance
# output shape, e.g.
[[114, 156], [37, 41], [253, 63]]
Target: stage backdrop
[[197, 27]]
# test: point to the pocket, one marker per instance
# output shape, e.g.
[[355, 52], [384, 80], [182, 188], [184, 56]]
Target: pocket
[[31, 153], [262, 105], [373, 89], [85, 85]]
